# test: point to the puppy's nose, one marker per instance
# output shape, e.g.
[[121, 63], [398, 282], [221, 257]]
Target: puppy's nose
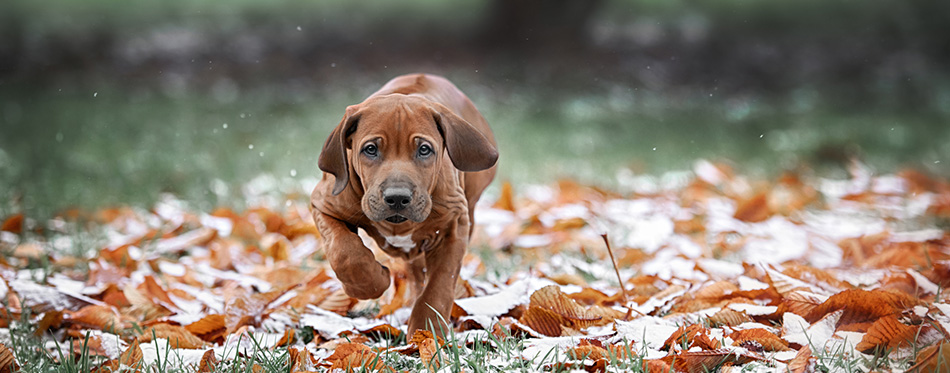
[[397, 198]]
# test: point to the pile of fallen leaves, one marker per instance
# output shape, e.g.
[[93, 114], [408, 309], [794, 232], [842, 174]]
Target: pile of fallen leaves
[[719, 272]]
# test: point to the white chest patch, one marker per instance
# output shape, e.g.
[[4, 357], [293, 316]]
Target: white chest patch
[[403, 242]]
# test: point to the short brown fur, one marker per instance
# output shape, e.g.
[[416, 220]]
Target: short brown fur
[[376, 152]]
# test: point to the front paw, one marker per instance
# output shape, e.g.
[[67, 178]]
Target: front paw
[[365, 282]]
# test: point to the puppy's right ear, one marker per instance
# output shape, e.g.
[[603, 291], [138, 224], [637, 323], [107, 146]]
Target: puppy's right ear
[[333, 157]]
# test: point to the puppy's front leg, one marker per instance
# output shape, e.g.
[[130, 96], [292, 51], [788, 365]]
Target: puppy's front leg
[[355, 265], [442, 269]]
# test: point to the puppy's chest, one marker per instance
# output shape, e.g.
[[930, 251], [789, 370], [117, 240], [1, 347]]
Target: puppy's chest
[[404, 242], [410, 244]]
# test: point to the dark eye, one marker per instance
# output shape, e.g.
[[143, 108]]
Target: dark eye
[[370, 150], [425, 150]]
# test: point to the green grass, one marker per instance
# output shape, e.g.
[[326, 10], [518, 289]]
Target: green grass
[[92, 145]]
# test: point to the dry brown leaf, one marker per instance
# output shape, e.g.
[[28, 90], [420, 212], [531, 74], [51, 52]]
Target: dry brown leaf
[[299, 229], [429, 354], [589, 296], [691, 336], [816, 277], [658, 365], [728, 317], [716, 290], [8, 362], [567, 279], [588, 351], [382, 330], [563, 225], [800, 302], [352, 357], [287, 339], [210, 328], [155, 292], [52, 319], [96, 317], [338, 302], [706, 361], [399, 299], [129, 361], [208, 362], [543, 320], [754, 209], [862, 306], [933, 359], [803, 362], [197, 237], [573, 315], [13, 224], [888, 333], [761, 338], [177, 336], [276, 246], [28, 251], [505, 200], [348, 338]]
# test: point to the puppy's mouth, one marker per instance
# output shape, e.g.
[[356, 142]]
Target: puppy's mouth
[[396, 219]]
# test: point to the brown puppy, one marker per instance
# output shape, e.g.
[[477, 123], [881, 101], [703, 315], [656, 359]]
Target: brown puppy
[[407, 165]]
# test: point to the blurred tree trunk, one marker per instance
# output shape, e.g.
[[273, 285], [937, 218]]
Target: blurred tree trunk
[[538, 24]]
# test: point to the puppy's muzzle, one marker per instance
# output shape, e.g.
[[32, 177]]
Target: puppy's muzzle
[[397, 199]]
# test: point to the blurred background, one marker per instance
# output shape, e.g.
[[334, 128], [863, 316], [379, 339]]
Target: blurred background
[[107, 102]]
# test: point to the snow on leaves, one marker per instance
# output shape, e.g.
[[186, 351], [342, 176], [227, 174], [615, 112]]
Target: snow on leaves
[[718, 272]]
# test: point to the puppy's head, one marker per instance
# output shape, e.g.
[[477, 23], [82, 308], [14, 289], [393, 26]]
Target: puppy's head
[[393, 147]]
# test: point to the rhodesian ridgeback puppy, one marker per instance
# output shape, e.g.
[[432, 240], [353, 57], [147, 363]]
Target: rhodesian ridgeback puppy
[[407, 165]]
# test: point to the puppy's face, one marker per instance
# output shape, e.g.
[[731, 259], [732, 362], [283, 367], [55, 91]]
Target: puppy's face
[[396, 150]]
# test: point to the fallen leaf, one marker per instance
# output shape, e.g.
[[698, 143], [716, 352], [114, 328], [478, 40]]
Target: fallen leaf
[[8, 362], [505, 200], [862, 306], [753, 209], [208, 362], [762, 338], [803, 362], [96, 317], [888, 333], [177, 336], [933, 359], [706, 361], [210, 328], [686, 338], [429, 354]]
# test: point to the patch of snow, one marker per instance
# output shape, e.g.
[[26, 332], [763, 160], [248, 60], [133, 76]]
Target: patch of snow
[[923, 235], [499, 303], [817, 335], [159, 352], [224, 226], [327, 323], [752, 309], [923, 283], [171, 269], [651, 331], [721, 268], [533, 240], [747, 283]]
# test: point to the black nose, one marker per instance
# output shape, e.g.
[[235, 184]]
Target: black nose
[[397, 198]]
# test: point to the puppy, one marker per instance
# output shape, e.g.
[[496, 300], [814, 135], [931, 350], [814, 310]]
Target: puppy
[[406, 165]]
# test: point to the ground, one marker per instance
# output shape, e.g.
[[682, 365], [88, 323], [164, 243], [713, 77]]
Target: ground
[[719, 271]]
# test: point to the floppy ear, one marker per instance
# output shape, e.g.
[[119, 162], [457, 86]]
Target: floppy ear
[[333, 156], [468, 148]]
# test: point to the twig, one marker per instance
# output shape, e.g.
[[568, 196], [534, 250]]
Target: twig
[[623, 289]]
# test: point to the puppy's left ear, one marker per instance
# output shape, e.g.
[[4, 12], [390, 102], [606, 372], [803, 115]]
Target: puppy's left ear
[[469, 149]]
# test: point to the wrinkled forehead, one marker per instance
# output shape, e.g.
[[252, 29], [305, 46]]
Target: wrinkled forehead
[[396, 116]]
